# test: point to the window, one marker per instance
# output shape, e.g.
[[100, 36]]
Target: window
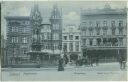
[[90, 24], [14, 39], [98, 32], [49, 46], [55, 46], [77, 46], [104, 32], [42, 37], [120, 41], [46, 46], [113, 32], [121, 31], [24, 40], [71, 47], [55, 26], [84, 25], [48, 36], [70, 37], [83, 33], [77, 37], [27, 22], [24, 51], [65, 47], [105, 23], [113, 23], [65, 37], [90, 32], [24, 29], [84, 41], [14, 29], [90, 42], [45, 36], [55, 36], [120, 23], [97, 24]]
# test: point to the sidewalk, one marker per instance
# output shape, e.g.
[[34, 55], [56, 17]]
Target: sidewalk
[[102, 66]]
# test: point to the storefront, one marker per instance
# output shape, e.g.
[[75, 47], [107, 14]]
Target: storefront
[[105, 54]]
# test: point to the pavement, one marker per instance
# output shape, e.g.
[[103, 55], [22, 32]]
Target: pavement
[[103, 72]]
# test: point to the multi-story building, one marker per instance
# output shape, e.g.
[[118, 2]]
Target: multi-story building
[[71, 42], [56, 29], [21, 29], [103, 33], [18, 38]]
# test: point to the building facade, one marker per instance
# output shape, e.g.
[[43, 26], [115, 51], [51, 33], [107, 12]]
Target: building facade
[[56, 29], [18, 38], [21, 34], [103, 33], [71, 42]]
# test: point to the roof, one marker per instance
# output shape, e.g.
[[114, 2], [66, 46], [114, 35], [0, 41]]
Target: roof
[[17, 17], [71, 29], [104, 11]]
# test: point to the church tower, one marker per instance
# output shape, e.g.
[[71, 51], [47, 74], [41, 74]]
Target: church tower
[[35, 20], [56, 27]]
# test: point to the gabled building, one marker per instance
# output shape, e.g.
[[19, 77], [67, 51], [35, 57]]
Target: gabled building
[[71, 42], [56, 28]]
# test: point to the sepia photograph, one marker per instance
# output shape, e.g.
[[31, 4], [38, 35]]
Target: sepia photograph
[[64, 41]]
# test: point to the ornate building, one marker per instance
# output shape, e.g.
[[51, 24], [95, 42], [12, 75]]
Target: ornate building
[[56, 30], [27, 34], [18, 38], [103, 33], [71, 42]]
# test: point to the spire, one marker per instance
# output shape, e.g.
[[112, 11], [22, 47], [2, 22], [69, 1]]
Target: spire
[[55, 12], [35, 16]]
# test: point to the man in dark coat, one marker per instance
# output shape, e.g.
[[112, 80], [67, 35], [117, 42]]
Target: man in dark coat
[[122, 62]]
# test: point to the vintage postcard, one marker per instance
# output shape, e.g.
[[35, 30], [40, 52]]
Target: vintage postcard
[[64, 41]]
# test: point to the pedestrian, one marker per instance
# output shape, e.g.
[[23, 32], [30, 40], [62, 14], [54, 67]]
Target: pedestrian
[[123, 62], [120, 62], [61, 65]]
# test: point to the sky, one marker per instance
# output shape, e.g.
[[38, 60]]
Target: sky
[[70, 9]]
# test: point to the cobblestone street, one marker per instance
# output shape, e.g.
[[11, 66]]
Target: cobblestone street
[[109, 71]]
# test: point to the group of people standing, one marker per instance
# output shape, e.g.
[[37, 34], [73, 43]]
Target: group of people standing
[[85, 61], [88, 61]]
